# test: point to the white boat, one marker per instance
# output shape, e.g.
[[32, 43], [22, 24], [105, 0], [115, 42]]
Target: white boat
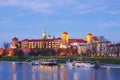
[[69, 64], [80, 64], [35, 63], [83, 65], [49, 62]]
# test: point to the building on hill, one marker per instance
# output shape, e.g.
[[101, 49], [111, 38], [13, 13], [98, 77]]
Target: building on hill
[[64, 42]]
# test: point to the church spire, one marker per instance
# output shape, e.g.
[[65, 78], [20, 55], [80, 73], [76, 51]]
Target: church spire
[[44, 34]]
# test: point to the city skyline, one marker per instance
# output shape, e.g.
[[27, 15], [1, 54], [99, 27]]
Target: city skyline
[[28, 18]]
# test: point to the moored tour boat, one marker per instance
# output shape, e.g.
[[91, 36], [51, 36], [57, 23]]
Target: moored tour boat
[[35, 63], [48, 62], [81, 64]]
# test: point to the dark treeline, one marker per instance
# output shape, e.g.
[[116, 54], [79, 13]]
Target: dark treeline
[[35, 52]]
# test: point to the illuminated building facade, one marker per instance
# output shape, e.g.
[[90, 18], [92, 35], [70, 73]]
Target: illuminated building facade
[[48, 42], [64, 43], [62, 46], [41, 43], [37, 43]]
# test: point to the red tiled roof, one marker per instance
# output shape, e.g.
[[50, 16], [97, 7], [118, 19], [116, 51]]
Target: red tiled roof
[[58, 38], [14, 38], [25, 40], [70, 40], [77, 40], [95, 38], [37, 40]]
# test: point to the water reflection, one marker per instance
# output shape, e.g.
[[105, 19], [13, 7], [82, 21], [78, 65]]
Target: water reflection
[[48, 72], [24, 71]]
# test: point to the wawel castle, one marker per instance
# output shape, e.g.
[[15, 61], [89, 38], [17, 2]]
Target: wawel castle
[[48, 42], [62, 45]]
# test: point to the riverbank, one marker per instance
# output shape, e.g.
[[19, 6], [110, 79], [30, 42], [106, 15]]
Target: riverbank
[[61, 59], [106, 60]]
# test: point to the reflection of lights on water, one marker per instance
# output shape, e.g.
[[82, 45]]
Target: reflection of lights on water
[[13, 63], [14, 77], [108, 72], [63, 72], [62, 66], [76, 76], [50, 68], [41, 67], [34, 68], [51, 72], [14, 66], [108, 68], [48, 72]]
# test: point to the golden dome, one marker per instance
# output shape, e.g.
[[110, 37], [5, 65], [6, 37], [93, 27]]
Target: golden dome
[[64, 33], [89, 34]]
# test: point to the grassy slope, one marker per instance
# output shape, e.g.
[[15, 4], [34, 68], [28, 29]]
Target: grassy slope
[[61, 59]]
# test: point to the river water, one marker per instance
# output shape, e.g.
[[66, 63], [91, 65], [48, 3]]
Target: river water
[[24, 71]]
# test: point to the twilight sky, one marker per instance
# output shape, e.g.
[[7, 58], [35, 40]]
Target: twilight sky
[[28, 18]]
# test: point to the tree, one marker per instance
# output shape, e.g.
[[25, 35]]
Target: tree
[[118, 49], [102, 39], [19, 52], [94, 49], [6, 45], [104, 43], [88, 52], [42, 52]]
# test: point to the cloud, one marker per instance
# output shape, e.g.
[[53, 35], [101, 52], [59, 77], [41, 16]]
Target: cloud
[[113, 12], [42, 7], [93, 6], [109, 25], [112, 25], [73, 6], [88, 9]]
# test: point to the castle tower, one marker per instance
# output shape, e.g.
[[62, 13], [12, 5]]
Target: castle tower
[[65, 38], [89, 37], [44, 34], [14, 42]]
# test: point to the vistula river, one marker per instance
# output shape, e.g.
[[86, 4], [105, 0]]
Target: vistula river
[[24, 71]]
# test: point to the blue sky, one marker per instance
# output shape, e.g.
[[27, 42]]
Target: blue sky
[[28, 18]]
